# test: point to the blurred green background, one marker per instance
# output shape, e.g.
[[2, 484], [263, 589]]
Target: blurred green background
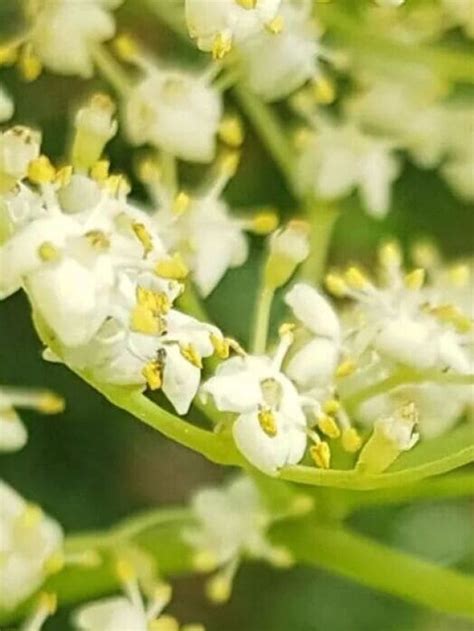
[[93, 464]]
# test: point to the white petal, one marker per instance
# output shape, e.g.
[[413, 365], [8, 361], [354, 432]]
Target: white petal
[[407, 341], [110, 615], [238, 392], [13, 433], [180, 379], [314, 364], [313, 310]]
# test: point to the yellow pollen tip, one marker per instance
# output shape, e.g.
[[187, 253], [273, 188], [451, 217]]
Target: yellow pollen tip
[[390, 254], [331, 406], [173, 268], [425, 254], [231, 131], [321, 455], [164, 623], [97, 239], [190, 352], [346, 368], [29, 64], [41, 171], [221, 46], [356, 279], [100, 171], [125, 571], [229, 163], [158, 302], [286, 328], [351, 441], [181, 203], [50, 403], [219, 589], [449, 314], [48, 602], [336, 285], [264, 222], [152, 373], [30, 517], [125, 47], [328, 426], [145, 320], [459, 275], [8, 55], [247, 4], [204, 561], [144, 237], [267, 421], [276, 26], [220, 345], [324, 91], [149, 170], [48, 253], [416, 279], [54, 563], [117, 185], [63, 176]]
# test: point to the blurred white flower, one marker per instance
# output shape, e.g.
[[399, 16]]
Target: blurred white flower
[[6, 105], [30, 547], [18, 147], [64, 33]]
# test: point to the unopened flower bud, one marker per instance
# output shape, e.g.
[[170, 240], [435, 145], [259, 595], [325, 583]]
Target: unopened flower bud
[[18, 147], [288, 248], [95, 126]]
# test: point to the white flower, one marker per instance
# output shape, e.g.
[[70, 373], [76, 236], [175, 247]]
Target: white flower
[[270, 429], [232, 523], [339, 158], [176, 111], [64, 32], [6, 105], [30, 542], [18, 147], [13, 433], [217, 25], [315, 361], [276, 66]]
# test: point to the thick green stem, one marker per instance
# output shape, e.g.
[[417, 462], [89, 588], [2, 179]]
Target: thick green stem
[[322, 217], [262, 320], [357, 558]]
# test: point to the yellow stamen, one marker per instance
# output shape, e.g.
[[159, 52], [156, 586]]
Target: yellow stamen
[[219, 588], [30, 517], [356, 279], [100, 171], [450, 314], [190, 352], [275, 27], [425, 254], [149, 170], [329, 426], [247, 4], [231, 131], [181, 203], [321, 455], [351, 441], [153, 374], [51, 403], [324, 91], [49, 602], [8, 55], [97, 239], [390, 254], [117, 185], [158, 302], [41, 171], [54, 563], [267, 421], [48, 252], [173, 268], [459, 275], [331, 406], [29, 64], [125, 571], [346, 368], [125, 47], [144, 237], [416, 279], [205, 561], [63, 176], [286, 328], [221, 346], [164, 623], [229, 162], [221, 46], [336, 285], [264, 222], [144, 320]]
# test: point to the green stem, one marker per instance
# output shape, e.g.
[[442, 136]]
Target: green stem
[[323, 217], [262, 320], [357, 558], [112, 71]]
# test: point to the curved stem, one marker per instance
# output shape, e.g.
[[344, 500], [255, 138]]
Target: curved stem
[[111, 71]]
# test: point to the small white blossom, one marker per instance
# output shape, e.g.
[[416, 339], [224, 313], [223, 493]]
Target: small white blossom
[[18, 147], [30, 542], [177, 111], [64, 32]]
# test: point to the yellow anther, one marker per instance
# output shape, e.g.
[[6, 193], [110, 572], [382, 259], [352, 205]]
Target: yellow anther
[[264, 222], [158, 302], [149, 170], [416, 279], [41, 171], [459, 275], [390, 254], [118, 185], [425, 254], [125, 47], [190, 352], [181, 203], [100, 170], [336, 285], [220, 345], [229, 162], [30, 517], [321, 455], [48, 252], [329, 426], [267, 421], [351, 441], [301, 138], [275, 27], [54, 563], [164, 623], [221, 46], [51, 403], [356, 279], [97, 239], [145, 320], [153, 374], [63, 176], [193, 627], [125, 571], [48, 602], [173, 268], [346, 368], [286, 328], [29, 64], [8, 55], [219, 588], [247, 4], [331, 406], [323, 90], [236, 347], [205, 561], [231, 131], [450, 314], [144, 237]]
